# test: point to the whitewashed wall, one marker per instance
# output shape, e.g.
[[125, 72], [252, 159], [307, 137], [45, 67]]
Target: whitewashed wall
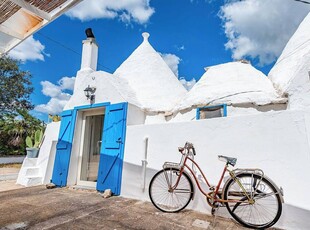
[[35, 171], [277, 142]]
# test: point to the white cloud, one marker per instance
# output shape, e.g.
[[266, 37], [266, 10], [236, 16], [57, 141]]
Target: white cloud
[[260, 28], [188, 85], [172, 61], [54, 106], [49, 89], [67, 83], [29, 50], [58, 97], [127, 10]]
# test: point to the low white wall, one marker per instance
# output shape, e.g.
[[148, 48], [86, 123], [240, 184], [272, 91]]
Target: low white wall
[[38, 170], [277, 142], [45, 161]]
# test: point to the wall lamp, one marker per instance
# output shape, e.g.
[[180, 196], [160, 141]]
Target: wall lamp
[[90, 93]]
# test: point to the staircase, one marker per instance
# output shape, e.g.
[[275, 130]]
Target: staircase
[[30, 174]]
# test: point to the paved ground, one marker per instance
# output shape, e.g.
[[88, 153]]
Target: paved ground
[[9, 185], [7, 173], [67, 208]]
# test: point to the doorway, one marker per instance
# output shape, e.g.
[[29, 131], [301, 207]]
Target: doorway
[[89, 156]]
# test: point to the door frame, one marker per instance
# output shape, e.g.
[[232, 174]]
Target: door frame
[[74, 166], [87, 112], [67, 173]]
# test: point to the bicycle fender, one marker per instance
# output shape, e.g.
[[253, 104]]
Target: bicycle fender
[[279, 190]]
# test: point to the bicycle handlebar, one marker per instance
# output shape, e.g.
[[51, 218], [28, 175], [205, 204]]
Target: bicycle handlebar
[[189, 146], [194, 152]]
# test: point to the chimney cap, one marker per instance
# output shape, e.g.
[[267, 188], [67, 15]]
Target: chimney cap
[[89, 33]]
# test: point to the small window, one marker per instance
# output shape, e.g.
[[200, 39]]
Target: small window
[[211, 112]]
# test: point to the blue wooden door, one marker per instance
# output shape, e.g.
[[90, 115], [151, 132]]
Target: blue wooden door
[[63, 148], [112, 148]]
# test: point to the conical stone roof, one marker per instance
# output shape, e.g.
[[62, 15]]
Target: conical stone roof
[[156, 87], [291, 72], [231, 83]]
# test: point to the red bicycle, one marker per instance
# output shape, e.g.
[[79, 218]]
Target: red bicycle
[[251, 198]]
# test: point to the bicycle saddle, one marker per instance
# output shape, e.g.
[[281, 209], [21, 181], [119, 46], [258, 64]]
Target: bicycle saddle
[[229, 160]]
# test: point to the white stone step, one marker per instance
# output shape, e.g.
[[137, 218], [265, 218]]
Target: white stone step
[[32, 172], [33, 181], [30, 162]]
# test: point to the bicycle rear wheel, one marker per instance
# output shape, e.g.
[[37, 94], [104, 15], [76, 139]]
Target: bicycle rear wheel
[[164, 197], [266, 208]]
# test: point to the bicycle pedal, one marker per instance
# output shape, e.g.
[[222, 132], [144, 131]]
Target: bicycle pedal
[[213, 211]]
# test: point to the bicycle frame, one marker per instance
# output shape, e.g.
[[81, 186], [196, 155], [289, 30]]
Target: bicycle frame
[[213, 194], [250, 197]]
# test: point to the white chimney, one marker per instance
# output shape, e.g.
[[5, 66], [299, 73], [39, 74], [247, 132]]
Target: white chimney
[[89, 52]]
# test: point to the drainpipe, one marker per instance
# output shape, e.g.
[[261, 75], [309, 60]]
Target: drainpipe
[[144, 163]]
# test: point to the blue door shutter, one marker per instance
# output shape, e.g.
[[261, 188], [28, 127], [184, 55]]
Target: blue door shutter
[[63, 148], [112, 148]]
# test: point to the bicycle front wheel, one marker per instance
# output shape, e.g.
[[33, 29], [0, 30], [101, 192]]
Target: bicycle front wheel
[[165, 196], [259, 205]]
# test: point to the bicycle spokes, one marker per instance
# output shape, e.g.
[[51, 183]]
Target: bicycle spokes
[[254, 204], [170, 191]]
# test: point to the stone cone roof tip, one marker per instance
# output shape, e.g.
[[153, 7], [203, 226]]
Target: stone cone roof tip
[[145, 36], [153, 82]]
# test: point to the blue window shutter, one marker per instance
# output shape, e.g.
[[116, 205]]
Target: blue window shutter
[[112, 148], [63, 148], [224, 110], [197, 113]]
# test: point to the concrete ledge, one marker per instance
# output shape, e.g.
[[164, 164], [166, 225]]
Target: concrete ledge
[[11, 160]]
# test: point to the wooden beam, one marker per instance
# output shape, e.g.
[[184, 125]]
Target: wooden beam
[[10, 46], [32, 9], [11, 32], [64, 7]]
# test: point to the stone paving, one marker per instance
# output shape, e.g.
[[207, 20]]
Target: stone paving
[[67, 208], [8, 174]]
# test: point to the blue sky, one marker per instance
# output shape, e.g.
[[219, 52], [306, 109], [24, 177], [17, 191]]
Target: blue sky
[[195, 34]]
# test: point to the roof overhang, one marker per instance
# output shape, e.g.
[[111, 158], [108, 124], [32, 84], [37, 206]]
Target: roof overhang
[[21, 18]]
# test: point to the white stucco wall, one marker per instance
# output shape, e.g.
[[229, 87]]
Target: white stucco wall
[[232, 110], [47, 151], [277, 142], [106, 91], [155, 118], [135, 116], [36, 171]]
